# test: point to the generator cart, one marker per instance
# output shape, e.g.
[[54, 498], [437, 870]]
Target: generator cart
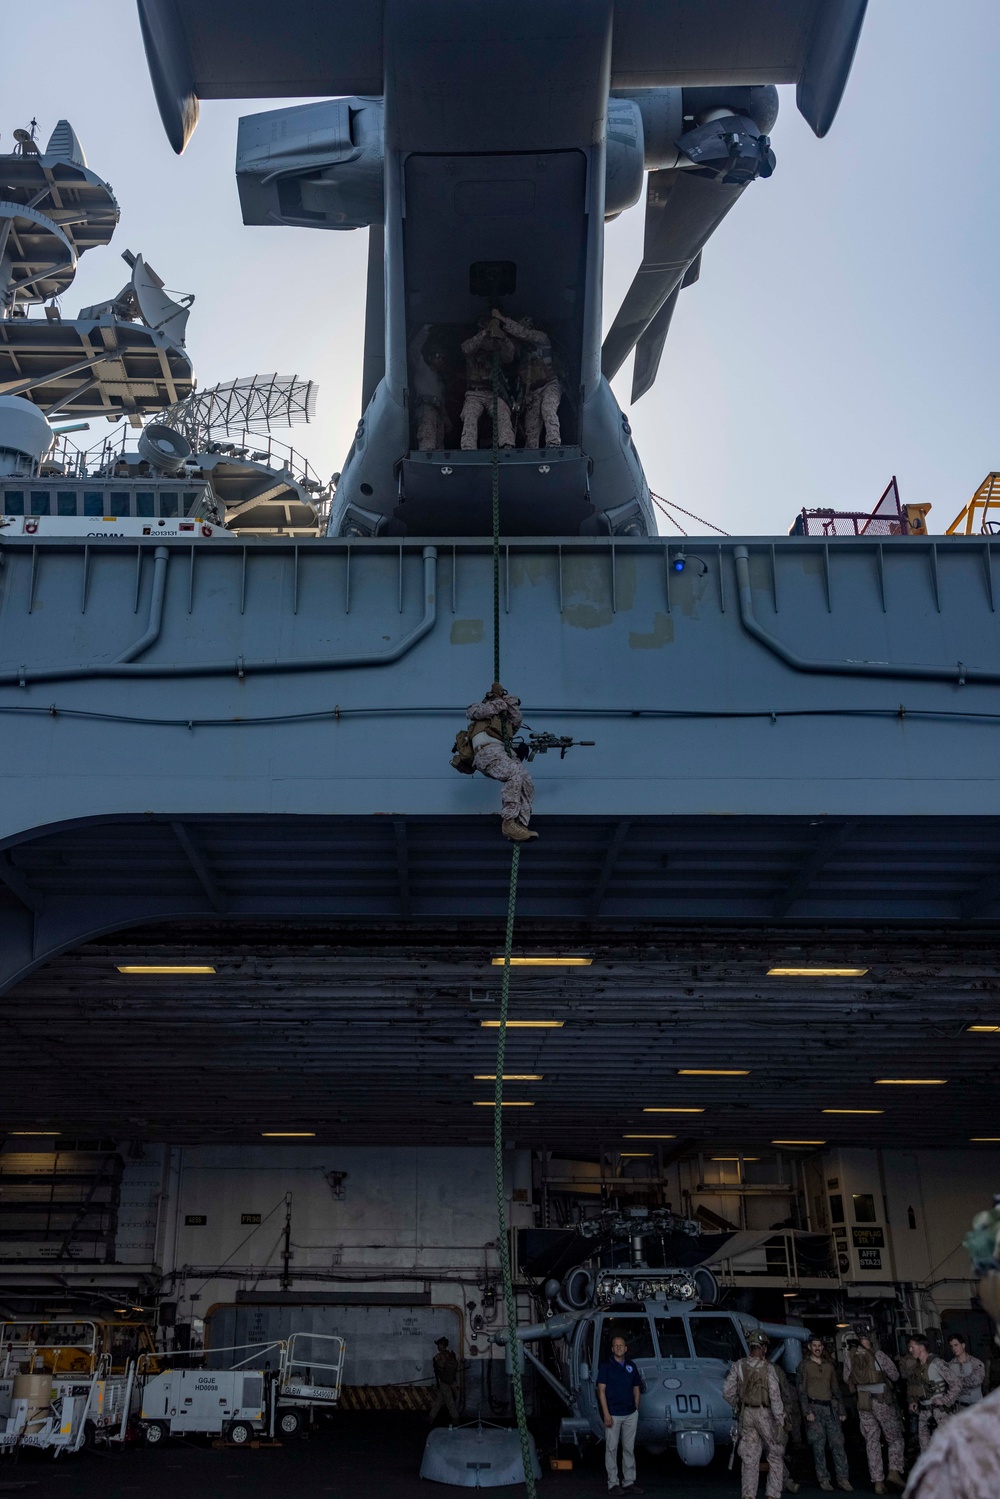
[[272, 1392]]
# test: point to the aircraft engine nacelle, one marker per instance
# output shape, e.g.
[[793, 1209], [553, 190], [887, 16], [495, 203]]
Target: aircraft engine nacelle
[[314, 166]]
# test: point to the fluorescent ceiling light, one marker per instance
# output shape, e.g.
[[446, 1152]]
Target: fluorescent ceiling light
[[790, 1295], [798, 1142], [288, 1134], [635, 1155], [816, 973], [917, 1082], [649, 1137], [984, 1139], [713, 1072], [508, 1077], [543, 962], [35, 1133], [984, 1030], [507, 1103], [673, 1111], [735, 1157], [524, 1025], [854, 1111], [166, 968]]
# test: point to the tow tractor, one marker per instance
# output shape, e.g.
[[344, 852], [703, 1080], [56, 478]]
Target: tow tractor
[[272, 1392], [67, 1384]]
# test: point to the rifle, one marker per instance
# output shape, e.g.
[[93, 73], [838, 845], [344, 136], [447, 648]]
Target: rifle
[[540, 744]]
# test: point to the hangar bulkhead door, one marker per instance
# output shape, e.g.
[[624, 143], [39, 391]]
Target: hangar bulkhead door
[[386, 1345]]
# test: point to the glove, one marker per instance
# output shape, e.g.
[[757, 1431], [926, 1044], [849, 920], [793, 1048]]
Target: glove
[[497, 691]]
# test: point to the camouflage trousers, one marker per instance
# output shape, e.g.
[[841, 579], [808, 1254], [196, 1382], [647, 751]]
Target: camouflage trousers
[[930, 1418], [826, 1429], [759, 1431], [430, 427], [446, 1396], [518, 787], [882, 1420], [479, 403], [542, 405]]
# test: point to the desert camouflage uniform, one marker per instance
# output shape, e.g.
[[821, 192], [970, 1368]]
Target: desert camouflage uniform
[[478, 352], [963, 1460], [944, 1385], [493, 760], [973, 1376], [753, 1385], [428, 394], [878, 1414], [544, 392]]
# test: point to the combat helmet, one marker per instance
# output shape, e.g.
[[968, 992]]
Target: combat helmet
[[756, 1337]]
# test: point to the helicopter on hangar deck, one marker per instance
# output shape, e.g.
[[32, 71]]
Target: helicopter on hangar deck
[[681, 1340]]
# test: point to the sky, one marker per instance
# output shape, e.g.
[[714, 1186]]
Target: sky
[[844, 328]]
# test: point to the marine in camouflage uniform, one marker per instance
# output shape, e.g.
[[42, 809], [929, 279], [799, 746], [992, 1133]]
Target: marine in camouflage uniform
[[823, 1408], [972, 1371], [478, 351], [941, 1384], [752, 1388], [791, 1426], [446, 1390], [542, 390], [870, 1374], [427, 387], [963, 1460], [493, 721]]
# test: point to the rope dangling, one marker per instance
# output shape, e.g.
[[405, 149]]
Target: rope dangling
[[495, 469], [503, 1242]]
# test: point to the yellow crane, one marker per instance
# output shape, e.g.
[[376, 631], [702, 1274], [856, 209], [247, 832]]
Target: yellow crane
[[984, 508]]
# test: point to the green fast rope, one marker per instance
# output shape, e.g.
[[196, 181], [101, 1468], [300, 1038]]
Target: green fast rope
[[503, 1241], [496, 515]]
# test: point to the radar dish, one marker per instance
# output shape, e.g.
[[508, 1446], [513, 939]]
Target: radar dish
[[253, 403], [157, 310]]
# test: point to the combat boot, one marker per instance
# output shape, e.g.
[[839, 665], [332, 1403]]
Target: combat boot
[[826, 1485], [791, 1487], [846, 1485], [896, 1479], [880, 1488], [516, 833]]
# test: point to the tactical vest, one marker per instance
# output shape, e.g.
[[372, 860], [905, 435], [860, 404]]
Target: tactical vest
[[936, 1383], [866, 1377], [536, 367], [755, 1392]]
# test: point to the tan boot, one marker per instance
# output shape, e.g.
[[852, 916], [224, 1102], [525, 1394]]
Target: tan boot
[[791, 1487], [880, 1488], [516, 833], [896, 1479], [846, 1485]]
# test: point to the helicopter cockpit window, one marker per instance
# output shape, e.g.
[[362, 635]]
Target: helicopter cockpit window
[[716, 1337], [671, 1334], [636, 1331]]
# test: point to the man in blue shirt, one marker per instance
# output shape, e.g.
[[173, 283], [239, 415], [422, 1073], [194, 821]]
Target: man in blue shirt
[[619, 1385]]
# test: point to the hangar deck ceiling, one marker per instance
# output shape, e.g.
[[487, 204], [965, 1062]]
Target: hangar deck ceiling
[[361, 1019]]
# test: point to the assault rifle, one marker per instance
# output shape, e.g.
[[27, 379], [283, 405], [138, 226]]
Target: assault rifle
[[540, 744]]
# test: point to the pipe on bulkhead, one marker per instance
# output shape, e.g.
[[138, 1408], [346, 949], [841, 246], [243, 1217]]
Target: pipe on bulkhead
[[958, 673], [126, 666]]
